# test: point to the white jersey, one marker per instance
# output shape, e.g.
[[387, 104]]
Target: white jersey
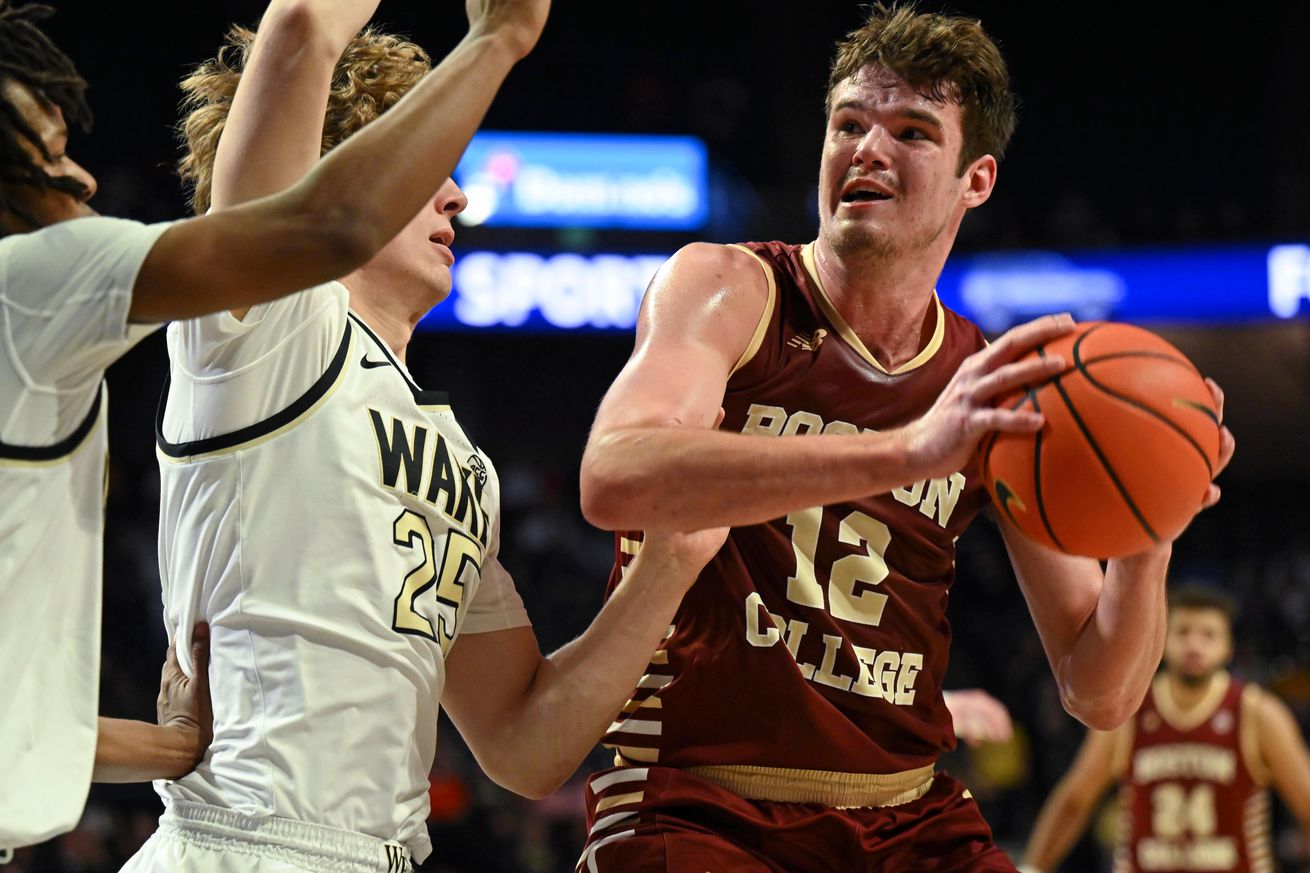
[[65, 292], [337, 528]]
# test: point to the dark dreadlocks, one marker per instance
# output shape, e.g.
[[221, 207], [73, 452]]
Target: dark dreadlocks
[[28, 56]]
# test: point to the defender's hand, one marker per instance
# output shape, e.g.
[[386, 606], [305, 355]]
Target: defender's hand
[[978, 717], [943, 441], [518, 22], [183, 705]]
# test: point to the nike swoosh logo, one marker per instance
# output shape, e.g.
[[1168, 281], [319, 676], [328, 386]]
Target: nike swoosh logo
[[369, 365]]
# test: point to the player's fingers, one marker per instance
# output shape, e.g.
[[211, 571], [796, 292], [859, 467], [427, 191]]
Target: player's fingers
[[1018, 340], [1212, 495], [200, 651], [1007, 420], [1217, 395], [1012, 376], [718, 419], [1227, 445]]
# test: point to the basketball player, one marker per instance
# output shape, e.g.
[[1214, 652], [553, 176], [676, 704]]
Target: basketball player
[[338, 528], [76, 292], [1194, 763], [795, 712]]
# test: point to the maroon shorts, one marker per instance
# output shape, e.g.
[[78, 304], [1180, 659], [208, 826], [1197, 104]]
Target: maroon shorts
[[663, 820]]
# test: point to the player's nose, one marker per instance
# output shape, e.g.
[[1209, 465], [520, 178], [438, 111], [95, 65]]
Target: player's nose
[[873, 148]]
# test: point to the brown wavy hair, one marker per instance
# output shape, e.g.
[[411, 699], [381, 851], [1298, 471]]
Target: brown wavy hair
[[374, 72], [945, 58]]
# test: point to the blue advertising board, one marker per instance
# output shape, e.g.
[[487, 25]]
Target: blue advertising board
[[634, 182], [532, 291]]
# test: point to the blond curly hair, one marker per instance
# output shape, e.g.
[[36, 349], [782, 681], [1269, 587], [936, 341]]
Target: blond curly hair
[[374, 72]]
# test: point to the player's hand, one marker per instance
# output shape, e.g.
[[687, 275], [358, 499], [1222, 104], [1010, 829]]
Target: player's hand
[[978, 717], [685, 553], [1226, 443], [943, 441], [517, 22], [183, 704]]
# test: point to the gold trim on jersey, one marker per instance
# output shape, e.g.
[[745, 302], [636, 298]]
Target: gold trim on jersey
[[847, 333], [265, 437], [826, 787], [1186, 719], [1250, 736], [757, 339]]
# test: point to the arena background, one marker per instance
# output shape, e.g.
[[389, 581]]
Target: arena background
[[1140, 125]]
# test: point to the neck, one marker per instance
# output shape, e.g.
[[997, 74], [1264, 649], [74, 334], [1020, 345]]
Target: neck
[[887, 299], [390, 316], [1186, 696]]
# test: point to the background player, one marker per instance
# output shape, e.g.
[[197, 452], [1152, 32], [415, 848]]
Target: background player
[[78, 291], [338, 527], [807, 665], [1194, 762]]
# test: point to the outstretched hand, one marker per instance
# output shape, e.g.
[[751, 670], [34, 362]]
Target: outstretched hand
[[183, 704], [518, 22], [944, 439]]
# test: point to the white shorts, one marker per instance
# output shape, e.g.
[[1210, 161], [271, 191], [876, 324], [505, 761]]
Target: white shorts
[[207, 839]]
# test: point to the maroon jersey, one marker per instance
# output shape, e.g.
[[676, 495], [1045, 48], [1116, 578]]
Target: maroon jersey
[[819, 640], [1192, 800]]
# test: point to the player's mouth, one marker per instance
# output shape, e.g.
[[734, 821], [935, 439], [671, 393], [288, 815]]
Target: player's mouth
[[442, 240], [865, 191]]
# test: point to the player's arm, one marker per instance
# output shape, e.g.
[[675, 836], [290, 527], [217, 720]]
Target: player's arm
[[354, 200], [137, 751], [1064, 816], [1283, 749], [1103, 632], [978, 717], [651, 464], [531, 720]]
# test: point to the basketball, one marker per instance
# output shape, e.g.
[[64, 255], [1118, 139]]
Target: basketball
[[1127, 450]]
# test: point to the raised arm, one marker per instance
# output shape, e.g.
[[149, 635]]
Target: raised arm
[[650, 463], [531, 720], [353, 201], [1064, 816]]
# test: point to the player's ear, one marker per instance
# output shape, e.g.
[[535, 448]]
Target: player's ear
[[979, 179]]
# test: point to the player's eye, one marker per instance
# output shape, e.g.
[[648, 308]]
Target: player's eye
[[913, 133]]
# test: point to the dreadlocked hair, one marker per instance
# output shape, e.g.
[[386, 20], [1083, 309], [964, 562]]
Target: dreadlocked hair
[[28, 56]]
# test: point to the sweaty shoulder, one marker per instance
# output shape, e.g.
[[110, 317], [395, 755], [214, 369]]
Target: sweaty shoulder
[[714, 295]]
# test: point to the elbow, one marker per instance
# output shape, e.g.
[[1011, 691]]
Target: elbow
[[1102, 713], [611, 490], [532, 785]]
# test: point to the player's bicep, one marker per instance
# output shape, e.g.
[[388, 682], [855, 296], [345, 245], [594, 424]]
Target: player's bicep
[[697, 320], [240, 257]]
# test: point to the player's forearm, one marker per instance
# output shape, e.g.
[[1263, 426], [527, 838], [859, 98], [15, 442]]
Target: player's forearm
[[1059, 825], [680, 478], [1105, 674], [272, 135], [386, 172], [137, 751], [580, 688]]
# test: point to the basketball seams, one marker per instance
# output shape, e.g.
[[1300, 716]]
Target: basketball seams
[[1037, 478], [1100, 455], [1082, 367]]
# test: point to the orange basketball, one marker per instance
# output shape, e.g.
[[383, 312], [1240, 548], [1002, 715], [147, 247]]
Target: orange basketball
[[1127, 451]]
